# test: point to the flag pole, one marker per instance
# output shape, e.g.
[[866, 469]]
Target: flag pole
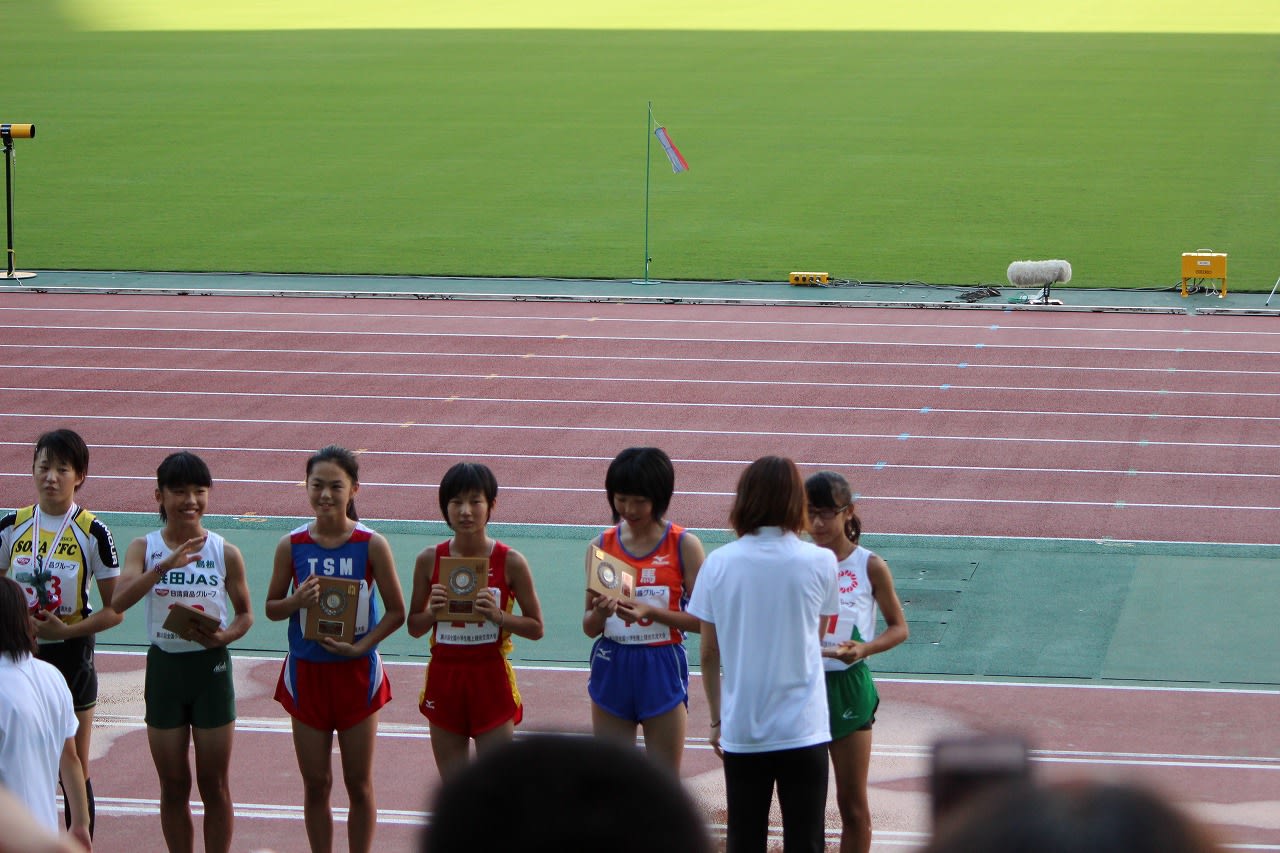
[[648, 160]]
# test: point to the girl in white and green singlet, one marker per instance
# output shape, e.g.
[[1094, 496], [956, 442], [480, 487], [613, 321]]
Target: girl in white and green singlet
[[865, 584], [189, 692]]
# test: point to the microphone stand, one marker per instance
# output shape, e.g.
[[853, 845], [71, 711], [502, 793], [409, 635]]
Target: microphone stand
[[8, 202]]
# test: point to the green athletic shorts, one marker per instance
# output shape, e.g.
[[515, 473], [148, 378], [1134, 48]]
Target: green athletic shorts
[[852, 700], [189, 689]]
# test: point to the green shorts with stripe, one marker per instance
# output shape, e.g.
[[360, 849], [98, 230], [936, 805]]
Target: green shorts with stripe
[[189, 689], [852, 700]]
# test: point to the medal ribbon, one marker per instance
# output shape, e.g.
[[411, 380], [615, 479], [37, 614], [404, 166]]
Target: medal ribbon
[[53, 545]]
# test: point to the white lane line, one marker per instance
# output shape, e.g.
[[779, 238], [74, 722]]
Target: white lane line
[[635, 430], [666, 360], [521, 313], [1163, 393], [697, 405], [736, 463], [348, 333], [410, 731], [144, 807]]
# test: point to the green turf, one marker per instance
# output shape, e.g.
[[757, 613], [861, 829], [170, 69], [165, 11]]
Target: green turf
[[1211, 618], [937, 156], [1100, 612]]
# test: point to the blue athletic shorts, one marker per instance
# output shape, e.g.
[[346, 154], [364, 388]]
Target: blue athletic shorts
[[638, 683]]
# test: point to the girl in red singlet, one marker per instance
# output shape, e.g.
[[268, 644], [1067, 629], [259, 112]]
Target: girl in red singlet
[[470, 690]]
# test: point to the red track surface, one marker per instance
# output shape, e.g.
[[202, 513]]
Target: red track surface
[[1214, 752], [1147, 427], [1151, 427]]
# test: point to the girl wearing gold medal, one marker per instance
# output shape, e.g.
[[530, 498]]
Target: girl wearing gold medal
[[52, 549]]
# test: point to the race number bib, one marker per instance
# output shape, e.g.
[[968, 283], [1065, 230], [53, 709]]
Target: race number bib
[[362, 611], [469, 633], [645, 631], [63, 577], [844, 631]]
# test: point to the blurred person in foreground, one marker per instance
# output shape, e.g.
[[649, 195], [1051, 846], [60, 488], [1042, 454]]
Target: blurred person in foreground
[[20, 832], [559, 793], [37, 728], [1070, 817]]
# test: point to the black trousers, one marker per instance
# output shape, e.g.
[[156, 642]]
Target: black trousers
[[801, 779]]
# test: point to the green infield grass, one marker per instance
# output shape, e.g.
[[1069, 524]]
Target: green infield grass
[[510, 144]]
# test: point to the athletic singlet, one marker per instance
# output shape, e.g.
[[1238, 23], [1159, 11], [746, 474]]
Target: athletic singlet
[[445, 634], [349, 560], [201, 584], [857, 619], [59, 582], [659, 583]]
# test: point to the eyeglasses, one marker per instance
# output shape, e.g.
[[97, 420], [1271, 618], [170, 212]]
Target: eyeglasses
[[826, 514]]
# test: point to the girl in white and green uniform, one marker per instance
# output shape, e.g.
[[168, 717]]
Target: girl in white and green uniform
[[189, 692], [865, 586]]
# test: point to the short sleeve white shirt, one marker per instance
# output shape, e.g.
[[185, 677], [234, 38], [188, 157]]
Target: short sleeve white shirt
[[767, 595], [36, 718]]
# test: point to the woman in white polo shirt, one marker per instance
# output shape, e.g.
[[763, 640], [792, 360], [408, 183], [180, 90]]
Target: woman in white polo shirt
[[763, 602]]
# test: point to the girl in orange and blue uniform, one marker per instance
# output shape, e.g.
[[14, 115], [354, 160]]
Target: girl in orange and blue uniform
[[639, 670]]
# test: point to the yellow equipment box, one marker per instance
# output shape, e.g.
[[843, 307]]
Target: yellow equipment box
[[1204, 265], [809, 279]]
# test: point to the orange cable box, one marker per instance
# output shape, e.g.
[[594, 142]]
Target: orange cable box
[[809, 279]]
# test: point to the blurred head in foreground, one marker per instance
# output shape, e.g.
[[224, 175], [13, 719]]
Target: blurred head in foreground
[[555, 793], [1074, 817]]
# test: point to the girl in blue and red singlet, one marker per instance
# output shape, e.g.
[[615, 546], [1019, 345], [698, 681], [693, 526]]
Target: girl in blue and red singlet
[[327, 685], [639, 670], [470, 690]]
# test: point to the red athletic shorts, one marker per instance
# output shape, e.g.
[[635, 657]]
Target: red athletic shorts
[[333, 696], [470, 690]]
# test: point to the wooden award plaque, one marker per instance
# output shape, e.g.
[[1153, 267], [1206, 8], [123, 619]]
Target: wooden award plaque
[[463, 578], [183, 619], [610, 576], [335, 615]]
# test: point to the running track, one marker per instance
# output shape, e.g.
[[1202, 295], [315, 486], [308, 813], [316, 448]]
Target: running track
[[1154, 427], [1215, 752], [1149, 427]]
